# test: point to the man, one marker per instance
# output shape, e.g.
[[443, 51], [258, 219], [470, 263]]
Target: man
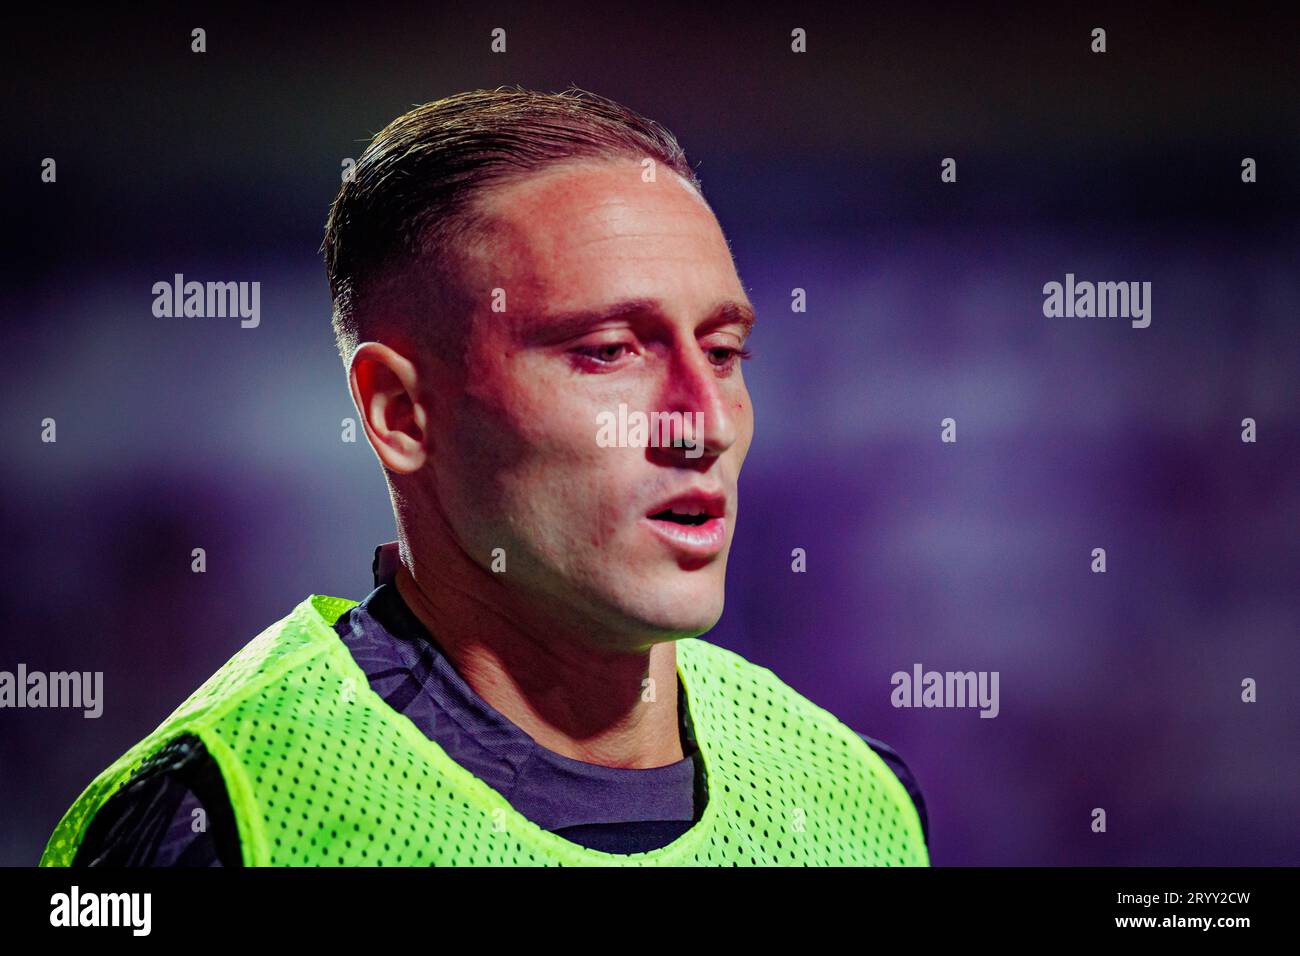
[[526, 684]]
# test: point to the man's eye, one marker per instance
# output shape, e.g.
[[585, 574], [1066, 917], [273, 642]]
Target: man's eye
[[605, 353], [723, 357]]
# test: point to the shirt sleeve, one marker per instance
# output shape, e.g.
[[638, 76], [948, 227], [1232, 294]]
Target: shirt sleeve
[[173, 813], [905, 776]]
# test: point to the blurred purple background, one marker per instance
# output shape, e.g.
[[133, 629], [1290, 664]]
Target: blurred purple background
[[1119, 690]]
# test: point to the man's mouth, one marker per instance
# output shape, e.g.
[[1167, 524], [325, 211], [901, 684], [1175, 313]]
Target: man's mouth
[[692, 524], [694, 518]]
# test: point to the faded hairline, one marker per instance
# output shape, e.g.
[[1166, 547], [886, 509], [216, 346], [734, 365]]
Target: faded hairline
[[423, 294], [394, 241]]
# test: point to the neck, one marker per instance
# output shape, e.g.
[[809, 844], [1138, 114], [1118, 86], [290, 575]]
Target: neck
[[569, 693]]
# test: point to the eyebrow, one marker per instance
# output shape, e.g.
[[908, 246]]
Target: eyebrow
[[558, 326]]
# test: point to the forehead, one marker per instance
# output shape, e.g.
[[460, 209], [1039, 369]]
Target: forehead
[[574, 234]]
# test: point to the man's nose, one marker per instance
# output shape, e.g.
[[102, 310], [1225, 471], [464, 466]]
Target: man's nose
[[694, 389]]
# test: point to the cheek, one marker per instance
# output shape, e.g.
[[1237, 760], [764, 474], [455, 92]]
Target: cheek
[[557, 487], [744, 412], [519, 423], [583, 495]]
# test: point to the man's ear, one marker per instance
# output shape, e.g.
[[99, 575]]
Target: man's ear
[[385, 389]]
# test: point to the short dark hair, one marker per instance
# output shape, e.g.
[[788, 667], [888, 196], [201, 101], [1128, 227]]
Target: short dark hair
[[410, 196]]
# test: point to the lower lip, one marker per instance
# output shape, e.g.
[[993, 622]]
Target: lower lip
[[696, 541]]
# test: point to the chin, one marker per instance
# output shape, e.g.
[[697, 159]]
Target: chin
[[679, 610]]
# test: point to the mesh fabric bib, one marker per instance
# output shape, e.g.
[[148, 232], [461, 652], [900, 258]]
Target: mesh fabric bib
[[320, 771]]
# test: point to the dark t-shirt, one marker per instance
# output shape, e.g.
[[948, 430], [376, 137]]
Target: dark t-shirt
[[175, 811]]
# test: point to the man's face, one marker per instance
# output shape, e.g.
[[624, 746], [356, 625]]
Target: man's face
[[612, 291]]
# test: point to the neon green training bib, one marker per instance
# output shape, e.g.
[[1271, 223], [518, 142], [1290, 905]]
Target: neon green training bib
[[321, 771]]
